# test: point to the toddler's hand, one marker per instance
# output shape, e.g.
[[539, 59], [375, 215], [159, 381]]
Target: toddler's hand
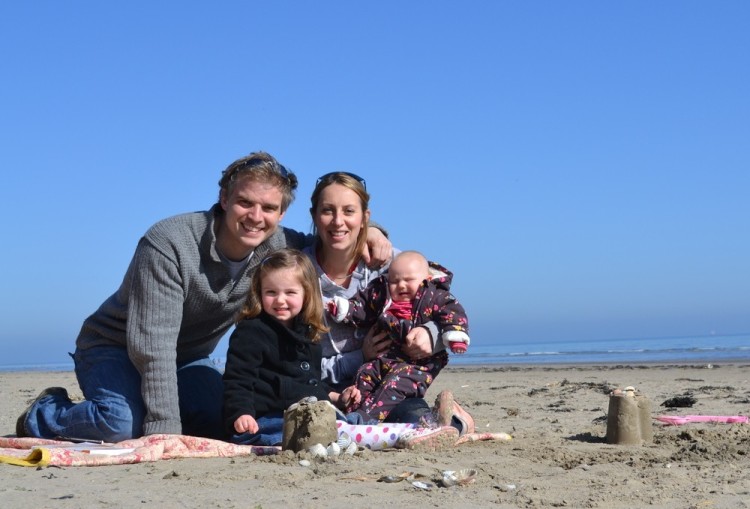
[[246, 424]]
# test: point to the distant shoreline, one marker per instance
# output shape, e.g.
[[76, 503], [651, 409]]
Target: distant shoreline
[[707, 363]]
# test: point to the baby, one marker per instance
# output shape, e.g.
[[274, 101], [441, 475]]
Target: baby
[[413, 292]]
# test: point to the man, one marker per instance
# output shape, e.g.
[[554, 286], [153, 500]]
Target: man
[[142, 359]]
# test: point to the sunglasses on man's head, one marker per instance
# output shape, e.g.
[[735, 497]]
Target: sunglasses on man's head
[[352, 175], [280, 168]]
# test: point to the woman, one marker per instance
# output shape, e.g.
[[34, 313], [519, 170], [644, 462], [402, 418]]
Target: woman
[[340, 213]]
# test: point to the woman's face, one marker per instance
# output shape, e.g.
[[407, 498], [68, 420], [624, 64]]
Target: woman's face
[[339, 217]]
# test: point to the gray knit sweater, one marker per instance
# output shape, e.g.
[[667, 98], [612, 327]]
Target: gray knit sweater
[[175, 303]]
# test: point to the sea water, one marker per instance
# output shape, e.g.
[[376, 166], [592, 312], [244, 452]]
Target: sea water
[[691, 349], [710, 348]]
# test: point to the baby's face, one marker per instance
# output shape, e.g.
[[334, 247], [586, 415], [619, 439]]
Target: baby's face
[[405, 275]]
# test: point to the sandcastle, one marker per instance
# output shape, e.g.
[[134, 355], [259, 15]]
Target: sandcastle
[[629, 418], [308, 423]]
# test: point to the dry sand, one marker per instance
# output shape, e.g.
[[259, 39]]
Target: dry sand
[[558, 457]]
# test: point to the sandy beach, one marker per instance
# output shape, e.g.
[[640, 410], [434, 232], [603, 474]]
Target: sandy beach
[[558, 457]]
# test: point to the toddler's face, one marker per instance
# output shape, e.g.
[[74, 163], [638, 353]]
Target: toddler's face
[[282, 294]]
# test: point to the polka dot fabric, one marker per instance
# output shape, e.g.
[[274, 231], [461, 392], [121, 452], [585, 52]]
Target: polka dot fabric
[[373, 436]]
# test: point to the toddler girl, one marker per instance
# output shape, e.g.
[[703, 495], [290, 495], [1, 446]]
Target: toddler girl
[[274, 358]]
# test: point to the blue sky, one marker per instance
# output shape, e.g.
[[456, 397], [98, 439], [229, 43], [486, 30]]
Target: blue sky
[[581, 166]]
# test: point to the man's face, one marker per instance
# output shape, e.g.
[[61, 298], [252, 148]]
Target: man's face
[[252, 212]]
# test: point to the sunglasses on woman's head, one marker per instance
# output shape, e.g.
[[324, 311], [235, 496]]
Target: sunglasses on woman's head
[[352, 175]]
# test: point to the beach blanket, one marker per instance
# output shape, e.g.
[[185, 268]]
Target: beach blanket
[[385, 435], [674, 420], [373, 436], [39, 452], [34, 452]]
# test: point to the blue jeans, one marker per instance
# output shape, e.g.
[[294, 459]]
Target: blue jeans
[[114, 408], [410, 410], [270, 431]]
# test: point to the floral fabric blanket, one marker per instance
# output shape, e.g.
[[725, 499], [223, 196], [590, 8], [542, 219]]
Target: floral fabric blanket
[[35, 452]]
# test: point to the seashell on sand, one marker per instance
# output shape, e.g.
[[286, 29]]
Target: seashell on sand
[[318, 451], [334, 449], [344, 440], [460, 477]]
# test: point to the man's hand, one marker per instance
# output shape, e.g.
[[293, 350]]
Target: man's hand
[[418, 343], [378, 250]]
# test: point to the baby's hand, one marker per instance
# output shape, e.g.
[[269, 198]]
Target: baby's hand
[[458, 347], [337, 308], [331, 307], [351, 397]]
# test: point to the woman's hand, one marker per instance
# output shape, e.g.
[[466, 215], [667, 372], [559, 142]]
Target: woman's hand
[[375, 345], [245, 424], [418, 343], [378, 250]]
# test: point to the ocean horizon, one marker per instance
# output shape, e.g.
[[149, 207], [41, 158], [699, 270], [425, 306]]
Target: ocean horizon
[[676, 349]]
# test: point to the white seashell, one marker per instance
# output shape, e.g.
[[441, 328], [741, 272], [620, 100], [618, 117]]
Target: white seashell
[[318, 451], [304, 463], [344, 440], [351, 449], [459, 478], [334, 449], [422, 485]]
